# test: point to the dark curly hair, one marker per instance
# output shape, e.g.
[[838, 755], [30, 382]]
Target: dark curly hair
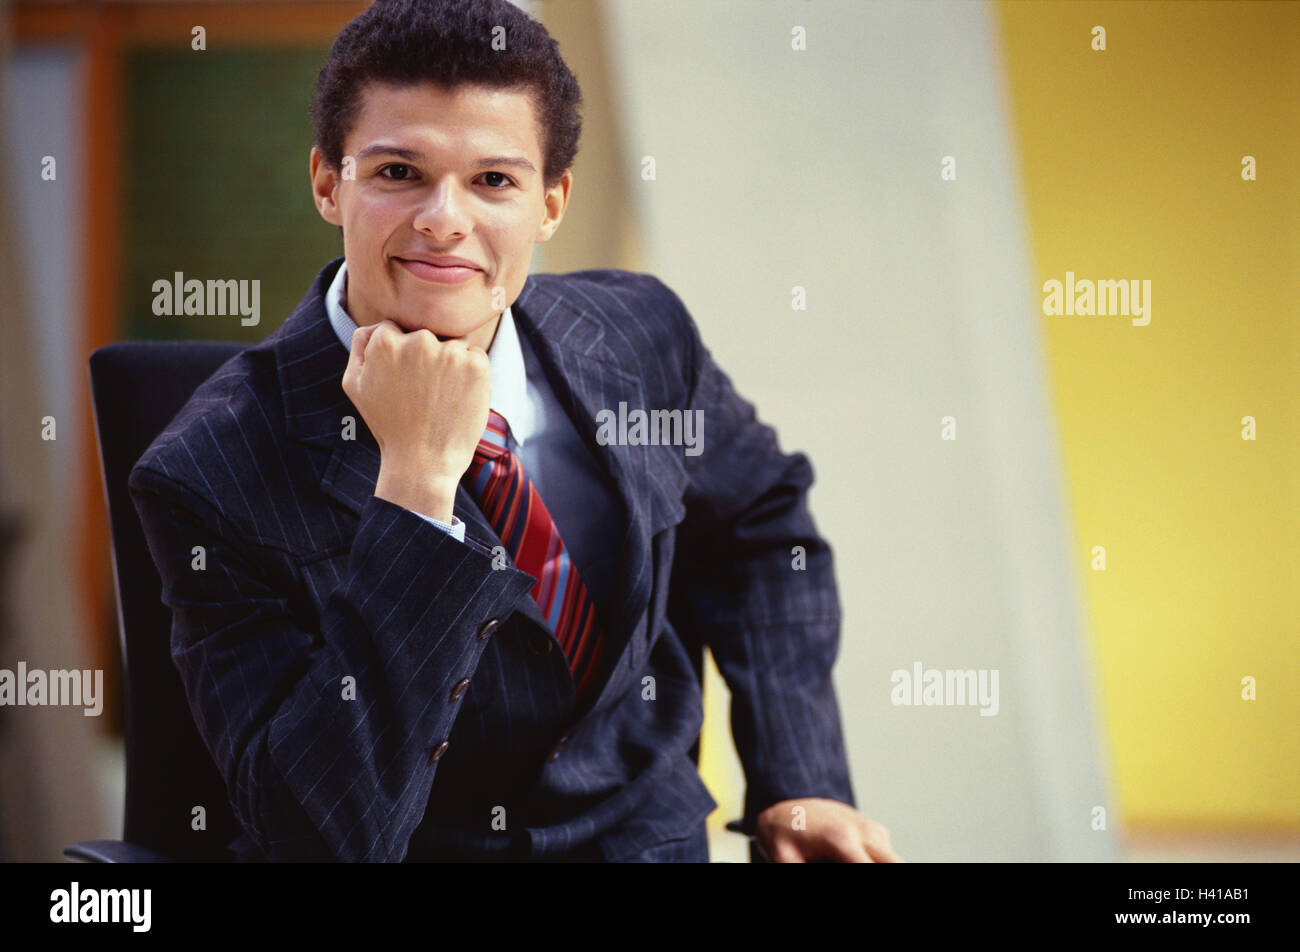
[[449, 43]]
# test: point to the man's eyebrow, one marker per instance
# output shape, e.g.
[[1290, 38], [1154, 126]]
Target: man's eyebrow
[[382, 149], [511, 161]]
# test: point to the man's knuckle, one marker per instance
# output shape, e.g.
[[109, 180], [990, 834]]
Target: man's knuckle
[[846, 840]]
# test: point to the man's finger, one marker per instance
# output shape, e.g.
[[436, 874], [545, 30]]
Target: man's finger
[[359, 338], [848, 849], [784, 851], [881, 852], [386, 327]]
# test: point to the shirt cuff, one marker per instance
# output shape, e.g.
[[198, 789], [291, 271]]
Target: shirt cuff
[[455, 528]]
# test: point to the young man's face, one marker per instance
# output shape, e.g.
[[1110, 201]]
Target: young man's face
[[439, 173]]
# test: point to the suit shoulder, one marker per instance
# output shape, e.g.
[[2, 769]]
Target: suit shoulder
[[234, 413], [613, 294], [643, 318]]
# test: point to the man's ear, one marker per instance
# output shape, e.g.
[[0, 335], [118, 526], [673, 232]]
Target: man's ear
[[325, 186], [556, 200]]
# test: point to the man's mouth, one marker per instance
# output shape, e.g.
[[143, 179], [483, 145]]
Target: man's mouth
[[436, 273]]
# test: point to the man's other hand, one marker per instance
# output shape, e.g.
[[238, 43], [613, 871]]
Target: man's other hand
[[426, 402], [803, 831]]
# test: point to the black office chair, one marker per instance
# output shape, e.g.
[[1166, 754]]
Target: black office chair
[[137, 387]]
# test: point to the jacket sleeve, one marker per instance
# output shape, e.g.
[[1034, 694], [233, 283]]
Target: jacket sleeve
[[314, 770], [754, 580]]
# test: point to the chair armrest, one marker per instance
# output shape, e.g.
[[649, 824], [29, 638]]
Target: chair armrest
[[114, 851], [756, 854]]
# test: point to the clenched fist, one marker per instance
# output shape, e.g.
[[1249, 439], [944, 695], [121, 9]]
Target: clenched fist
[[426, 402]]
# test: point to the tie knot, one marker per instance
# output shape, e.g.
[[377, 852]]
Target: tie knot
[[495, 439]]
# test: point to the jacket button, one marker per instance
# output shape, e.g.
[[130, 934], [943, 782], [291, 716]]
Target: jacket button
[[488, 627], [559, 747], [459, 689], [439, 751], [539, 644]]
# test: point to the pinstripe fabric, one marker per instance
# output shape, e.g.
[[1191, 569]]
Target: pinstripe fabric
[[324, 644]]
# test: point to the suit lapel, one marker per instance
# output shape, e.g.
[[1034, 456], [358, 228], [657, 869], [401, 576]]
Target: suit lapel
[[584, 375]]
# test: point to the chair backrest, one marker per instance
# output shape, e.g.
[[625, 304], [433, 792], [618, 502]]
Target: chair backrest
[[137, 388]]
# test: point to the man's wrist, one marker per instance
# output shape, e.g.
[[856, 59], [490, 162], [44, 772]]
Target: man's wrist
[[428, 495]]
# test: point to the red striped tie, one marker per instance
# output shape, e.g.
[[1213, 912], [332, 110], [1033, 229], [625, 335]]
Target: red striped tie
[[512, 505]]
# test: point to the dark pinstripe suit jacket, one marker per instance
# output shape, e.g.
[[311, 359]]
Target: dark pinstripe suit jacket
[[310, 581]]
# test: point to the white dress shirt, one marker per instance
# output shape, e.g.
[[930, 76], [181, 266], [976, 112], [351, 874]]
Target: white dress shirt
[[567, 477]]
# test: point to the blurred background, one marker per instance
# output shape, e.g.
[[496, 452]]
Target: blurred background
[[1099, 531]]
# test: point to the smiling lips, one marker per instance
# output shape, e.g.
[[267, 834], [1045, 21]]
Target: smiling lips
[[439, 269]]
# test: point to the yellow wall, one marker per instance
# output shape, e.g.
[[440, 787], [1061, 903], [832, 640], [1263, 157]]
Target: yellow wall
[[1131, 163]]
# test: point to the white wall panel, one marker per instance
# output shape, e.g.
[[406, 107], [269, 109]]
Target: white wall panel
[[821, 168]]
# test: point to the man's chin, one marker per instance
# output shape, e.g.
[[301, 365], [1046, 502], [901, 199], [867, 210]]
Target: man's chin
[[441, 332]]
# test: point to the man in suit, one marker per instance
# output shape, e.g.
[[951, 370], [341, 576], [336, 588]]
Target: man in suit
[[423, 608]]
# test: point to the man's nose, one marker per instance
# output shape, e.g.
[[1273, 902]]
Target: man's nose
[[444, 212]]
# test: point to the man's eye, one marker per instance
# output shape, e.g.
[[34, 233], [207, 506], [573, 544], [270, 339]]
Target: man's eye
[[508, 180], [396, 165]]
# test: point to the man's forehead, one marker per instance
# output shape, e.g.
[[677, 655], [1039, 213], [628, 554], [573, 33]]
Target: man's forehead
[[506, 114], [505, 102]]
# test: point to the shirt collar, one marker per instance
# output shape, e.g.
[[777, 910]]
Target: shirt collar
[[505, 357]]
